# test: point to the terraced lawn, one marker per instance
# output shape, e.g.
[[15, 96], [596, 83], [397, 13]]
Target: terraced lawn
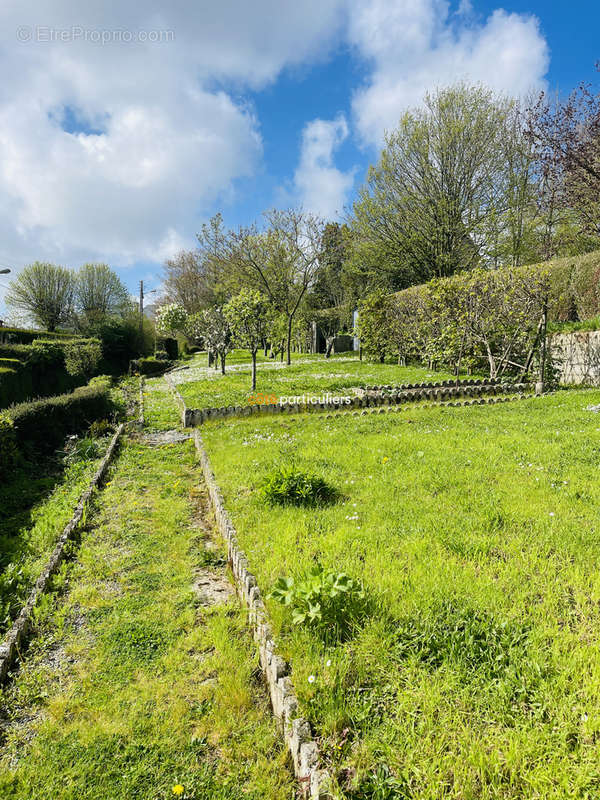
[[476, 533], [201, 387]]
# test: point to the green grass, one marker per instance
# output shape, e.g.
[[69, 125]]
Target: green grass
[[160, 410], [35, 506], [201, 388], [475, 532], [130, 686]]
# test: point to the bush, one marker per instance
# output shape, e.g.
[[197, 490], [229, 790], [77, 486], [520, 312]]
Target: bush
[[8, 446], [44, 424], [289, 486], [20, 351], [329, 603], [148, 366], [82, 358], [169, 345]]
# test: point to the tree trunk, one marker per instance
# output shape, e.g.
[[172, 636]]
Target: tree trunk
[[223, 363], [289, 340], [254, 370], [210, 357]]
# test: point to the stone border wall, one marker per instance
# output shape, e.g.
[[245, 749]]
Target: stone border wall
[[577, 357], [16, 637], [314, 781], [371, 396]]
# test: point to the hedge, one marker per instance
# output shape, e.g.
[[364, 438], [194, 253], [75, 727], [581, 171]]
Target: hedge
[[149, 366], [25, 336], [44, 424]]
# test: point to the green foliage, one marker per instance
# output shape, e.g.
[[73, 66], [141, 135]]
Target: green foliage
[[83, 358], [374, 325], [150, 366], [454, 633], [171, 318], [329, 603], [8, 446], [287, 485], [248, 315], [99, 293], [381, 785], [44, 424], [45, 291]]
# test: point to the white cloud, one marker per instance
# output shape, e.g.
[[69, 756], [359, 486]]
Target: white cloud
[[167, 141], [321, 187], [416, 45]]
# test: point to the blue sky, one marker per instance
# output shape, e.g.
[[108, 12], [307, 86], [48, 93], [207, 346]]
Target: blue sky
[[124, 128]]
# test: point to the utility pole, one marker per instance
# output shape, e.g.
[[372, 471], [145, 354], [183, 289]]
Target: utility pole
[[141, 307]]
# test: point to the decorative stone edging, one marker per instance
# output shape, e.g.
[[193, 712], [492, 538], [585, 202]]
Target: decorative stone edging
[[10, 647], [370, 397], [297, 734]]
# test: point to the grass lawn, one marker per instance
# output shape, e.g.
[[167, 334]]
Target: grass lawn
[[204, 388], [132, 686], [476, 533], [35, 506]]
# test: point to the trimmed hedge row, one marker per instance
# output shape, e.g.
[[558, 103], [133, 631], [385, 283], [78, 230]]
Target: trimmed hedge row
[[149, 366], [44, 424], [24, 336]]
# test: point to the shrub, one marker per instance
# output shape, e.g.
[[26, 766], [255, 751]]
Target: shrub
[[8, 446], [289, 486], [148, 366], [82, 358], [44, 424], [168, 345], [329, 603]]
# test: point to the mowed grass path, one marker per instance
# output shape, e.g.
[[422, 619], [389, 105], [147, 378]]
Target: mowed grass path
[[476, 532], [201, 388], [131, 686]]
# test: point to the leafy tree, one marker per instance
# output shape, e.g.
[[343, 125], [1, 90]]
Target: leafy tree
[[441, 176], [249, 316], [45, 291], [99, 293], [280, 261]]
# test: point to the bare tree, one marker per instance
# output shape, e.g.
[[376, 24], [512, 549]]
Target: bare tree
[[280, 260]]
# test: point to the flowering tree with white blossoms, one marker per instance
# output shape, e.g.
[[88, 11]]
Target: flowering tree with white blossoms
[[216, 332], [170, 319]]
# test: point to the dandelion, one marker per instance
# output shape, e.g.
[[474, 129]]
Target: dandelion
[[178, 790], [311, 678], [384, 459]]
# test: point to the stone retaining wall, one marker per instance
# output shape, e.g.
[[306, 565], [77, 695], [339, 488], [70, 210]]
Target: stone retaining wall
[[577, 357], [314, 781], [17, 635]]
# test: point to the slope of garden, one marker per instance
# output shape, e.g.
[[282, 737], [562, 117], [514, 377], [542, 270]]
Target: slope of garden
[[201, 387], [474, 671], [135, 685]]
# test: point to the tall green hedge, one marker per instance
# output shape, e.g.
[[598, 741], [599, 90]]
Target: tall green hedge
[[24, 336], [44, 424]]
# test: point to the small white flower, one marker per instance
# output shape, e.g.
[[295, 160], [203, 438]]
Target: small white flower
[[552, 513], [328, 663], [311, 678]]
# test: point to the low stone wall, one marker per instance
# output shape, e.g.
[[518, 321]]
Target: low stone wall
[[370, 396], [576, 356], [16, 637], [313, 780]]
